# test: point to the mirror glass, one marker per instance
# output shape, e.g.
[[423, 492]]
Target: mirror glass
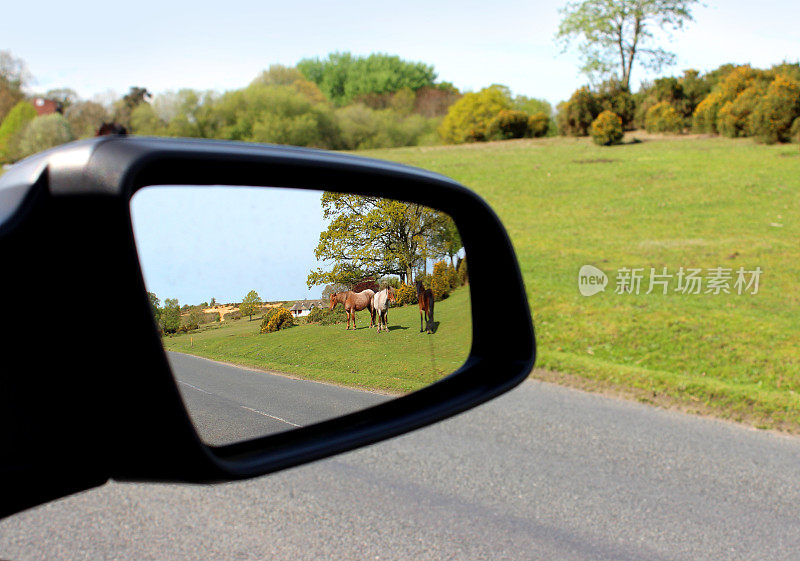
[[280, 308]]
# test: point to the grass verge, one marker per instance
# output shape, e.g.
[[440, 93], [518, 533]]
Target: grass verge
[[677, 202]]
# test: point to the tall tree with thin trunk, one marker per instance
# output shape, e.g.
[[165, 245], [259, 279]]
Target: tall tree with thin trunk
[[614, 35]]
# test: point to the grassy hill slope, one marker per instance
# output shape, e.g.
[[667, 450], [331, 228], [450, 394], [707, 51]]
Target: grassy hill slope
[[681, 202]]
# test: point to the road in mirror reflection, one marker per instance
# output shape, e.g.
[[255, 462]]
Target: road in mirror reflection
[[280, 308]]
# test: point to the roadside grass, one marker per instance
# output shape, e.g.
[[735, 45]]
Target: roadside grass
[[675, 202], [400, 360]]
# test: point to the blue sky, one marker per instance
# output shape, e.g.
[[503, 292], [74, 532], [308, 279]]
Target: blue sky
[[94, 47], [198, 243]]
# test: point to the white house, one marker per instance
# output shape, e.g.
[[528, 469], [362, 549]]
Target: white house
[[303, 307]]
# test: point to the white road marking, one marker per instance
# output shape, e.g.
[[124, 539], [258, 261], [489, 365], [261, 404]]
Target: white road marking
[[243, 406], [193, 387], [270, 416]]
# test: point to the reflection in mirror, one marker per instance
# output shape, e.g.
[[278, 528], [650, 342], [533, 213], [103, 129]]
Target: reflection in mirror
[[280, 308]]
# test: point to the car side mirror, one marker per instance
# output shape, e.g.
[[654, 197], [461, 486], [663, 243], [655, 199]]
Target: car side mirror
[[89, 393]]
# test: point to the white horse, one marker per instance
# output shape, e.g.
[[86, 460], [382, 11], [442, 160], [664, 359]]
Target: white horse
[[380, 304]]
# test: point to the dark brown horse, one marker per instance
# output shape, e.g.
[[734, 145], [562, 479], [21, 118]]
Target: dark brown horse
[[354, 302], [425, 300]]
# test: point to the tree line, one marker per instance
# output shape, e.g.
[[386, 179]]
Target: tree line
[[350, 102]]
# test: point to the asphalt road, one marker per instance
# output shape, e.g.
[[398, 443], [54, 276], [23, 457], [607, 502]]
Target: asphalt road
[[543, 472], [228, 404]]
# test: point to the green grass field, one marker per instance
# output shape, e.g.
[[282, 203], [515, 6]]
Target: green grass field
[[400, 360], [679, 202]]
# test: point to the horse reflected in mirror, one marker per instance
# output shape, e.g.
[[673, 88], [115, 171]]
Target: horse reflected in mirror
[[354, 302], [425, 300], [380, 305]]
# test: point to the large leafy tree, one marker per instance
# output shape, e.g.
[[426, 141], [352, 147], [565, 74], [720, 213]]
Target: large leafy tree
[[614, 35], [372, 237], [445, 241], [344, 77]]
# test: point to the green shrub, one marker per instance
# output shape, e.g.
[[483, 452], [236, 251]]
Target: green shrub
[[538, 124], [232, 316], [694, 88], [325, 316], [509, 124], [607, 129], [613, 96], [704, 119], [575, 117], [12, 127], [192, 320], [776, 111], [662, 117], [452, 277], [276, 114], [277, 319], [730, 86], [470, 118], [363, 128], [210, 317], [440, 281], [42, 133], [405, 294], [734, 118], [794, 132], [463, 273]]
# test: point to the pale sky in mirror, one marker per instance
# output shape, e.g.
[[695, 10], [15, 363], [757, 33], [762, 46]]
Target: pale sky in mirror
[[94, 47], [198, 243]]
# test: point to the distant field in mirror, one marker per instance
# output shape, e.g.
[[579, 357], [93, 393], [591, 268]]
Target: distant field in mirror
[[400, 360]]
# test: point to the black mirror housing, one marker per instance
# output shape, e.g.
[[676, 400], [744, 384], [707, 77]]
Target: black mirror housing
[[88, 394]]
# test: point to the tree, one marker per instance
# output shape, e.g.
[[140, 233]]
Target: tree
[[445, 241], [615, 34], [275, 114], [170, 315], [331, 288], [85, 117], [13, 77], [371, 237], [65, 96], [343, 77], [251, 304], [125, 106], [154, 302]]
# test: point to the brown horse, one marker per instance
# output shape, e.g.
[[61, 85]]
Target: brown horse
[[354, 302], [425, 300]]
